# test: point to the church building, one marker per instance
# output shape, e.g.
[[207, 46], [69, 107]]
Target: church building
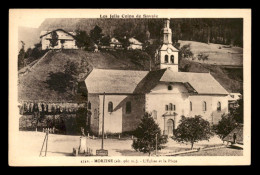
[[165, 93]]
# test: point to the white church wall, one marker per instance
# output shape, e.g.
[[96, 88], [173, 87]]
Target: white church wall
[[211, 114], [112, 120], [95, 112], [160, 96], [118, 120]]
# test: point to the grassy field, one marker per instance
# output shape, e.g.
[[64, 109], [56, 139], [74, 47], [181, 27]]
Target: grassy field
[[217, 56]]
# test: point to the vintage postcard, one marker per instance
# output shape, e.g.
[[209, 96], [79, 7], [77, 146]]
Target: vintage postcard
[[129, 87]]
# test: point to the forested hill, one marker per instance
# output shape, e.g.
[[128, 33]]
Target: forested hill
[[222, 31]]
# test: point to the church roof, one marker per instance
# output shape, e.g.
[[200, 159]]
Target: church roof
[[114, 81], [140, 82], [203, 83]]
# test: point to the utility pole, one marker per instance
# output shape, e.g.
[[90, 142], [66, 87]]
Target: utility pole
[[156, 144], [102, 145]]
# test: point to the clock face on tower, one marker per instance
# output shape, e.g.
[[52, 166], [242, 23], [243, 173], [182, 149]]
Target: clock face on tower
[[169, 50]]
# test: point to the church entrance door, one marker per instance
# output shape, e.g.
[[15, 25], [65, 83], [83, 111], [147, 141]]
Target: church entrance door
[[170, 127]]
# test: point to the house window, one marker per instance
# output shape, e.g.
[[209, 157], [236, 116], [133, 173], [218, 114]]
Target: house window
[[170, 107], [204, 105], [166, 108], [219, 106], [166, 59], [110, 107], [89, 105], [169, 87], [172, 58], [128, 107], [190, 106]]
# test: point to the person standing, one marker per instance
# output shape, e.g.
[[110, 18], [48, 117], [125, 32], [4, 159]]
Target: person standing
[[234, 138]]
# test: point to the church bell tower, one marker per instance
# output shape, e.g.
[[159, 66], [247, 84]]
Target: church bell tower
[[167, 55]]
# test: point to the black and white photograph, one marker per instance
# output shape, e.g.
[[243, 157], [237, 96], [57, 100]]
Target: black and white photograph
[[115, 87]]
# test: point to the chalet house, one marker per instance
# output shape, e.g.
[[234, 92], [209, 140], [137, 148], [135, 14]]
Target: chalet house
[[115, 43], [165, 93], [134, 44], [233, 100], [66, 40]]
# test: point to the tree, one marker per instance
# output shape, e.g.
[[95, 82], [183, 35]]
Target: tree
[[62, 43], [185, 51], [238, 112], [203, 57], [146, 136], [192, 129], [54, 39], [105, 40], [141, 36], [34, 53], [81, 118], [59, 81], [83, 40], [21, 56], [63, 81], [225, 126], [96, 34]]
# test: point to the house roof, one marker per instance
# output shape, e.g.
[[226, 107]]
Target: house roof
[[139, 82], [239, 134], [114, 41], [134, 41], [44, 33]]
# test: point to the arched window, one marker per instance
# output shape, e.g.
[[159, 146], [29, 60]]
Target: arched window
[[169, 87], [166, 108], [128, 107], [166, 59], [190, 106], [204, 105], [172, 58], [110, 107], [174, 107], [219, 106], [170, 107], [154, 114], [89, 105]]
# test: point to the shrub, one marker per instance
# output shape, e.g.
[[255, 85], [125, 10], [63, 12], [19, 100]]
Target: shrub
[[225, 126]]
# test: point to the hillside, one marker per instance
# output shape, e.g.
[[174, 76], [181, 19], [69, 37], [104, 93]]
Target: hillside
[[231, 80], [223, 56], [32, 85], [32, 78]]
